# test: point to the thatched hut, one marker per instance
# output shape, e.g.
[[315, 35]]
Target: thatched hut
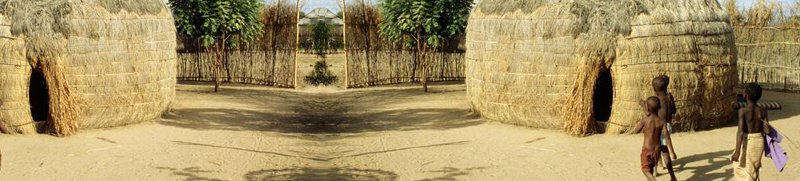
[[583, 65], [71, 64]]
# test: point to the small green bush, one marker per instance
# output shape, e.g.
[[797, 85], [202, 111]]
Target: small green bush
[[321, 75]]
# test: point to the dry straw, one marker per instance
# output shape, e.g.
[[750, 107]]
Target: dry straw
[[45, 27], [61, 40], [537, 63]]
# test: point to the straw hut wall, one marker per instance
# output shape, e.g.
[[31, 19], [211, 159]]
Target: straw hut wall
[[71, 64], [569, 64]]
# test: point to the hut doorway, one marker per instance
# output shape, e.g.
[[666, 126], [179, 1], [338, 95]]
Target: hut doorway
[[603, 97], [38, 97]]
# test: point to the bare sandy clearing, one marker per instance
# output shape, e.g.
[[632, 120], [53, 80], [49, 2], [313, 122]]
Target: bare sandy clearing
[[249, 133]]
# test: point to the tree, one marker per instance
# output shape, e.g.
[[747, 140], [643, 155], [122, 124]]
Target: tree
[[423, 25], [217, 25], [340, 14], [278, 19], [321, 33]]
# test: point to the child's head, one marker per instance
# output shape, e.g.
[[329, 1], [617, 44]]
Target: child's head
[[660, 83], [752, 92], [653, 104]]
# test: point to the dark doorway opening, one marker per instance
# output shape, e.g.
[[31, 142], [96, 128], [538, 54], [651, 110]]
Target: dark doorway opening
[[603, 96], [38, 97]]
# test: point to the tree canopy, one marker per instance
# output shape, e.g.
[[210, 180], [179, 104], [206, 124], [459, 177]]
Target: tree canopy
[[321, 33], [404, 21], [217, 24], [211, 21], [423, 25]]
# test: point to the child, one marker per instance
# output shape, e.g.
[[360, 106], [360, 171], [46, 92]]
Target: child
[[653, 127], [666, 112], [753, 126]]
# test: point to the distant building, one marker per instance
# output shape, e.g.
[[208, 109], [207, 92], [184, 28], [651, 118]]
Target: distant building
[[321, 15]]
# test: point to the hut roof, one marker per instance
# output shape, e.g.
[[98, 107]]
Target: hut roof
[[554, 51], [71, 42]]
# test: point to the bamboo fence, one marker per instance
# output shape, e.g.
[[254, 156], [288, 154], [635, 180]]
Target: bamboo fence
[[246, 67], [769, 56], [392, 67]]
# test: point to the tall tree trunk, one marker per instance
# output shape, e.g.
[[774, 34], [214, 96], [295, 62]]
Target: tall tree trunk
[[214, 66], [199, 59], [274, 46], [225, 58], [424, 63], [220, 48], [365, 29]]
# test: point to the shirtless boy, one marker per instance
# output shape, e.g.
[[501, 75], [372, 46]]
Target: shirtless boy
[[666, 112], [753, 125], [653, 127]]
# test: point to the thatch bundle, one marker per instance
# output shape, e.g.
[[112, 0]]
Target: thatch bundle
[[537, 63], [103, 63]]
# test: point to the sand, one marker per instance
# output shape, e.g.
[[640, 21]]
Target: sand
[[305, 64], [387, 133]]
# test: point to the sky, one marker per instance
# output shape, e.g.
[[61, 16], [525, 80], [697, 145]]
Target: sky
[[745, 3], [332, 4]]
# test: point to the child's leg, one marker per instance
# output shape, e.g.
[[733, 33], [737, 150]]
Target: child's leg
[[671, 171], [649, 175]]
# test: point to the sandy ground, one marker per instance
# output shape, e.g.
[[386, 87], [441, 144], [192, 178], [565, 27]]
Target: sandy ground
[[306, 65], [388, 133]]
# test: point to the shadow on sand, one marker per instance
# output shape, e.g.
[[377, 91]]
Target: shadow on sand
[[320, 122], [190, 173], [450, 173], [320, 174], [710, 162]]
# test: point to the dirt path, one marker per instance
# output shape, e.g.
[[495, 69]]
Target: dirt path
[[306, 65], [390, 133]]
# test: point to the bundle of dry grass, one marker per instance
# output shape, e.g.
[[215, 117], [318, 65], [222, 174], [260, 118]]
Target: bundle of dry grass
[[104, 63], [540, 63]]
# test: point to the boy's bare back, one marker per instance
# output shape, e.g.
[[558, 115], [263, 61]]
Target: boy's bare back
[[652, 129], [652, 125], [753, 117]]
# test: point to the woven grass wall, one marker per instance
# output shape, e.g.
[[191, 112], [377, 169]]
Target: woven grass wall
[[770, 56], [117, 59], [15, 70], [536, 63]]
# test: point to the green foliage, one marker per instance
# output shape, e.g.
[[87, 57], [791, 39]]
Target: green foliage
[[423, 25], [429, 22], [212, 21], [321, 33], [321, 75]]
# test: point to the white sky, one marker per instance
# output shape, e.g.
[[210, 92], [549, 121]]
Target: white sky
[[332, 4]]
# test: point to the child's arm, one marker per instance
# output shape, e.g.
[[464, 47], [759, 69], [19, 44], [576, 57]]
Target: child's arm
[[735, 156], [639, 126], [672, 101], [765, 121], [643, 104], [3, 128], [668, 138]]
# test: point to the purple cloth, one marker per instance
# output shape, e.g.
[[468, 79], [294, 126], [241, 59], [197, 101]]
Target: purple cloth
[[774, 150]]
